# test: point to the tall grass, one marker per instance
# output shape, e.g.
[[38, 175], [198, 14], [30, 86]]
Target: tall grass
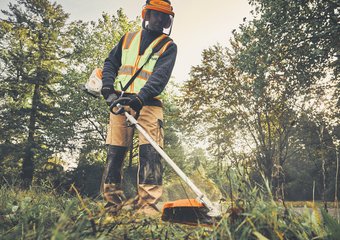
[[41, 213]]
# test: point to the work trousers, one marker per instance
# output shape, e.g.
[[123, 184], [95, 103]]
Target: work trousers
[[150, 170]]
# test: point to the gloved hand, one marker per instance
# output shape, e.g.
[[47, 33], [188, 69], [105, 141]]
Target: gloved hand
[[136, 104], [109, 93], [107, 90]]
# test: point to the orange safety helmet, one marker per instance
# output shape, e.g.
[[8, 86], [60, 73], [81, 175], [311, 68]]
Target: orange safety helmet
[[164, 8], [158, 5]]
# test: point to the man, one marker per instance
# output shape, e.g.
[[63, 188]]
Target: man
[[131, 53]]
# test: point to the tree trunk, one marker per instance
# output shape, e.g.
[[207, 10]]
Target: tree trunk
[[323, 164], [336, 183], [28, 163]]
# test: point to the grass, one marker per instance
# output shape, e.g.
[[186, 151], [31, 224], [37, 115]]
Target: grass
[[41, 213]]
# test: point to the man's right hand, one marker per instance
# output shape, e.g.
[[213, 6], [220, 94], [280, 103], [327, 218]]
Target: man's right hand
[[109, 94]]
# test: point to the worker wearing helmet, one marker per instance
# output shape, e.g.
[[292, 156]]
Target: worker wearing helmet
[[145, 93]]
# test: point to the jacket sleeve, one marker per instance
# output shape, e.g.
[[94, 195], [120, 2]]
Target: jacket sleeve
[[161, 74], [112, 64]]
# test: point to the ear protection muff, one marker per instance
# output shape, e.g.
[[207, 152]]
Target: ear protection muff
[[146, 15], [144, 12]]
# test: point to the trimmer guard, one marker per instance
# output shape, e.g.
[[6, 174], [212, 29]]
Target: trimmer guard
[[186, 211]]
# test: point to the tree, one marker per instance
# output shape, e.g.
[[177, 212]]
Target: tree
[[301, 29], [288, 49], [203, 108], [87, 117], [173, 144], [33, 47], [264, 79], [236, 109]]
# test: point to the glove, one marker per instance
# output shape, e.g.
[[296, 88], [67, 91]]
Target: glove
[[109, 94], [136, 104], [107, 90]]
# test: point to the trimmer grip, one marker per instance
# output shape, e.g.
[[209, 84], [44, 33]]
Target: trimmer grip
[[120, 102]]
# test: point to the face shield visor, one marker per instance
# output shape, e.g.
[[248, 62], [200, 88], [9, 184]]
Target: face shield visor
[[157, 21]]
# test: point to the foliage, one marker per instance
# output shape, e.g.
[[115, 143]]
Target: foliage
[[311, 151], [204, 109], [43, 213], [299, 29], [77, 130], [251, 100], [87, 117], [33, 47], [173, 143], [255, 123], [304, 36], [266, 104], [44, 114], [332, 225]]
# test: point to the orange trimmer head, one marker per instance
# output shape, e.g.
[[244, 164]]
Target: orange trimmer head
[[186, 211]]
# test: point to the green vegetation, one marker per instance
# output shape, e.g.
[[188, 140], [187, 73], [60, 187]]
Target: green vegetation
[[42, 213], [265, 107]]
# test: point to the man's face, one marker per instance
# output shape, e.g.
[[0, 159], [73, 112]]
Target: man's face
[[157, 21]]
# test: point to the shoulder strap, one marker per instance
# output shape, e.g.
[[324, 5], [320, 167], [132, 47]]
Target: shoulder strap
[[154, 50], [160, 45]]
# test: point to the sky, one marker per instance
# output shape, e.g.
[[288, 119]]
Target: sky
[[198, 24]]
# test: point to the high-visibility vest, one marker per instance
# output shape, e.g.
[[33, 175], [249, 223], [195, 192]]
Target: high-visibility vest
[[132, 61]]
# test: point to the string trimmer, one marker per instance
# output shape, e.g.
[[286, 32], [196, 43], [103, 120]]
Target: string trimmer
[[189, 211]]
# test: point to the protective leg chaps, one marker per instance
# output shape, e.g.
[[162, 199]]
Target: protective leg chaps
[[112, 177], [150, 179]]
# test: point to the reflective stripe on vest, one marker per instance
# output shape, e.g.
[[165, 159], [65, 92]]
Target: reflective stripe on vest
[[132, 61]]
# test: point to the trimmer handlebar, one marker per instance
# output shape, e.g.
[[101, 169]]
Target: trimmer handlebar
[[119, 103]]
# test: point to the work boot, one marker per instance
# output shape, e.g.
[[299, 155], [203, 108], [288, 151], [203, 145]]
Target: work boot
[[114, 196], [149, 211], [148, 196]]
